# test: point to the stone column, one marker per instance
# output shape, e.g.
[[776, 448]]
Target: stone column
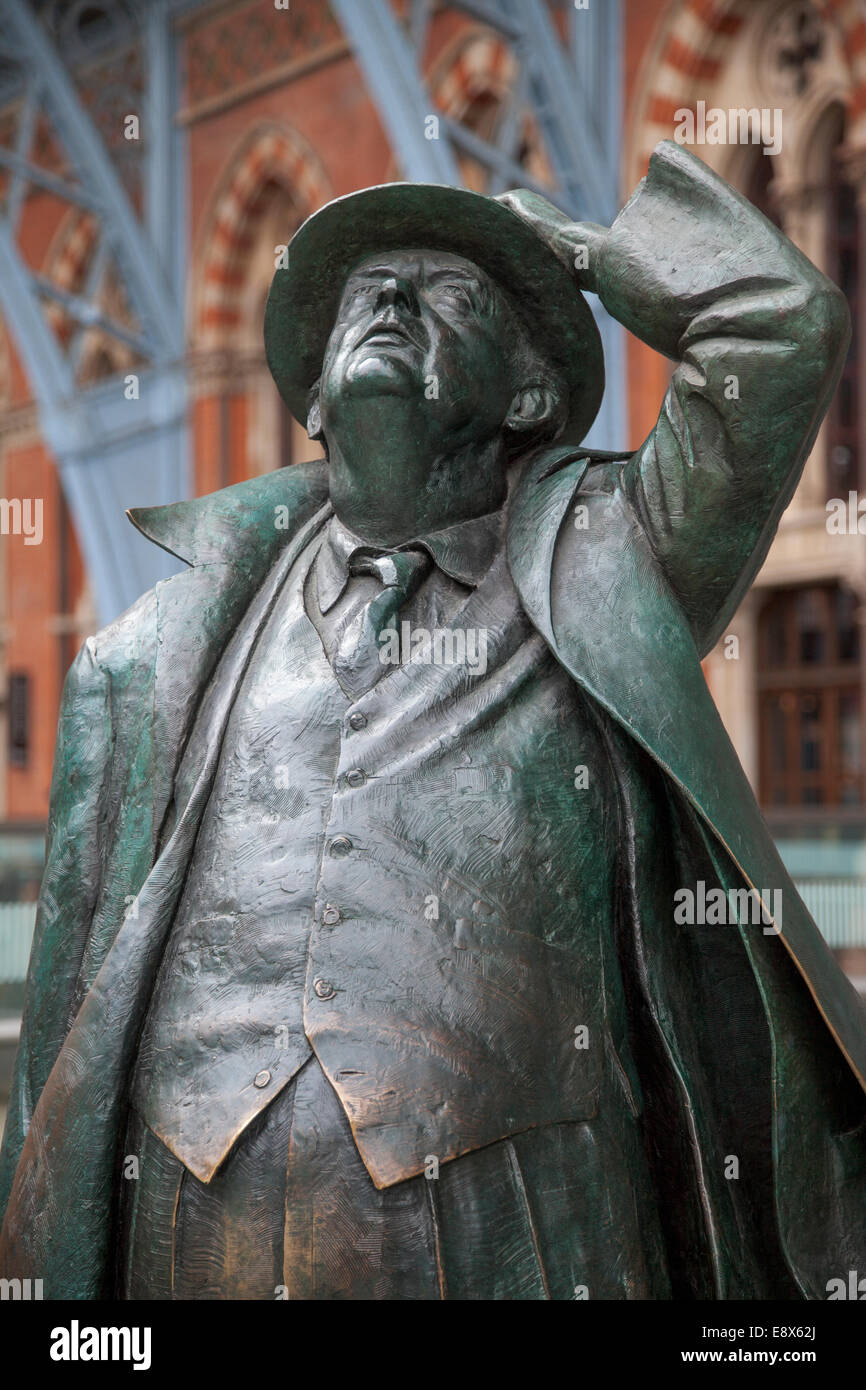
[[803, 213], [732, 679]]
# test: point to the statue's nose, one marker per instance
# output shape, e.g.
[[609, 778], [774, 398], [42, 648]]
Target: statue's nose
[[397, 291]]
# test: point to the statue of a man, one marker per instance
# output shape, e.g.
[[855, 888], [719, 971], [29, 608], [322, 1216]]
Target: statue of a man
[[409, 928]]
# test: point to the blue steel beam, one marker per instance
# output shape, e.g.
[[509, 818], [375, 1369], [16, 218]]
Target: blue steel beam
[[47, 368], [563, 113], [23, 172], [387, 59], [112, 452], [505, 171], [509, 133], [597, 45], [23, 141], [96, 174], [160, 192], [420, 15]]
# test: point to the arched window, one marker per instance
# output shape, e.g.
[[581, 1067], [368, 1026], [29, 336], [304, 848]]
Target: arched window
[[758, 184], [274, 438], [242, 428], [809, 699]]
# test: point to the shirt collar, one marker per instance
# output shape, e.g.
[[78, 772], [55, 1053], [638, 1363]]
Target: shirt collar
[[464, 551]]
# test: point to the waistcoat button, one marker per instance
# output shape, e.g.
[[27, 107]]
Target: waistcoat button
[[341, 844], [261, 1079], [331, 915], [356, 778], [324, 989], [357, 720]]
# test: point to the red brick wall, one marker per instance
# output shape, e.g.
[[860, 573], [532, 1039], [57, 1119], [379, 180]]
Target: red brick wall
[[31, 580]]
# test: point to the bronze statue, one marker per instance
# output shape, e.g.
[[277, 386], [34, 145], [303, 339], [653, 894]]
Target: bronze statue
[[364, 966]]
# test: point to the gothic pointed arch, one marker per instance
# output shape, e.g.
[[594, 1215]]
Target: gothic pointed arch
[[271, 161]]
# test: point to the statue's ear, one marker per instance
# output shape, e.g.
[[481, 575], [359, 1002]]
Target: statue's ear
[[533, 409], [314, 414]]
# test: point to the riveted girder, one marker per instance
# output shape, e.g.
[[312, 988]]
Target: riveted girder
[[118, 433]]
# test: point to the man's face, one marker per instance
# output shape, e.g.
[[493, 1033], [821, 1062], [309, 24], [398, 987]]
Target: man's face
[[422, 325]]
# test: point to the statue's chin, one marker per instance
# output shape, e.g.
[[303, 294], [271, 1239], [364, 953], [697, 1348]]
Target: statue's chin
[[385, 370]]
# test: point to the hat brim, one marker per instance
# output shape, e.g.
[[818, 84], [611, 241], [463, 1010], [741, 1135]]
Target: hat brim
[[304, 297]]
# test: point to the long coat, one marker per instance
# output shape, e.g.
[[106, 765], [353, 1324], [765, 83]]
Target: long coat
[[629, 598]]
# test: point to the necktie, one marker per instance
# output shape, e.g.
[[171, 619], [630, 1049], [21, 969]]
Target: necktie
[[356, 662]]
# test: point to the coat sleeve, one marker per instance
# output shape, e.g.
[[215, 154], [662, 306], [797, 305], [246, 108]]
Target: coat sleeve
[[69, 889], [759, 336]]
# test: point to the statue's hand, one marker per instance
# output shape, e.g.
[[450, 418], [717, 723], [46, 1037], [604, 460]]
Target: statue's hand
[[577, 244]]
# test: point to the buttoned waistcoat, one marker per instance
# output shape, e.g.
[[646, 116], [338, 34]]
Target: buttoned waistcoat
[[412, 883], [628, 600]]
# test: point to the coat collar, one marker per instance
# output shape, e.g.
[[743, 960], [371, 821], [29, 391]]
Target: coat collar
[[246, 525], [243, 526]]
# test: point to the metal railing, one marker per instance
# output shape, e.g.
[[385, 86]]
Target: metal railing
[[17, 921], [839, 908]]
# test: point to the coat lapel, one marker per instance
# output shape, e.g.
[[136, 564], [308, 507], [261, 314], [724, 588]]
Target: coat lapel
[[600, 599], [82, 1104], [229, 539]]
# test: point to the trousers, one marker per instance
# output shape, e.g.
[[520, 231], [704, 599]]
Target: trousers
[[565, 1211]]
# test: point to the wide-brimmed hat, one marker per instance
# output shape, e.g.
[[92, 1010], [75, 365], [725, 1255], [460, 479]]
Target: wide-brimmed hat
[[305, 295]]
